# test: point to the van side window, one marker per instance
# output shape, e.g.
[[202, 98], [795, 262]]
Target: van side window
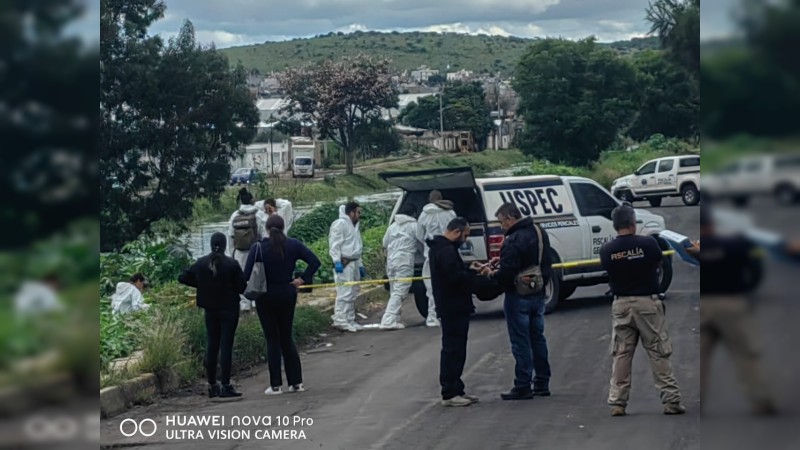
[[690, 162], [593, 201], [666, 165]]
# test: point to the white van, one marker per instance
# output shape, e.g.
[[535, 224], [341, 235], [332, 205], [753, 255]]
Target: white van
[[575, 211]]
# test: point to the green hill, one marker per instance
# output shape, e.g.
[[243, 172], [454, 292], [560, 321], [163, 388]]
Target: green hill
[[481, 54]]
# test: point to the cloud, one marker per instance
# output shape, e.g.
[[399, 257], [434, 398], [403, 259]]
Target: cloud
[[241, 22]]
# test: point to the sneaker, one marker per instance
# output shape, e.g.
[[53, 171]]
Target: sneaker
[[541, 392], [297, 388], [518, 394], [618, 411], [396, 326], [213, 390], [357, 326], [346, 327], [672, 409], [228, 391], [432, 322], [473, 398], [273, 391], [458, 400]]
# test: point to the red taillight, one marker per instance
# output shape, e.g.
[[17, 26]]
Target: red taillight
[[495, 243]]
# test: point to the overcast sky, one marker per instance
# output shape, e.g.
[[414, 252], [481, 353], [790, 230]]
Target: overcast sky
[[239, 22]]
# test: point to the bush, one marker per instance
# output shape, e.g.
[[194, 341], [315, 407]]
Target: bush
[[160, 260], [118, 336], [316, 224], [374, 255]]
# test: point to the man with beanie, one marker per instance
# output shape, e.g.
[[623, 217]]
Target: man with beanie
[[433, 222], [632, 262]]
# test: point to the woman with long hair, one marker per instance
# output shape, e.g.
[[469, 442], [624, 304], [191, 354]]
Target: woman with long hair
[[219, 281], [276, 307]]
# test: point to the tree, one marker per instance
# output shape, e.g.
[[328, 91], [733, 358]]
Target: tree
[[341, 96], [377, 138], [421, 114], [172, 119], [48, 119], [677, 23], [575, 97], [669, 102], [463, 108]]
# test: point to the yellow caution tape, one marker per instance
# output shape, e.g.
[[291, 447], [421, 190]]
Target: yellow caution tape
[[566, 265]]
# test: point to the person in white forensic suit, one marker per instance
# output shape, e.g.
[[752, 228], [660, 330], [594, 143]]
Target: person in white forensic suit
[[400, 242], [346, 249], [128, 296], [433, 221]]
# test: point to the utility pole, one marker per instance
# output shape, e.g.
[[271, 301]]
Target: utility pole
[[441, 118], [499, 138]]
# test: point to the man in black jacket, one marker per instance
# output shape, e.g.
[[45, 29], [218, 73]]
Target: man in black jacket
[[451, 281], [524, 315]]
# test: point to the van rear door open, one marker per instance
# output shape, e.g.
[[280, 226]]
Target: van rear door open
[[457, 185]]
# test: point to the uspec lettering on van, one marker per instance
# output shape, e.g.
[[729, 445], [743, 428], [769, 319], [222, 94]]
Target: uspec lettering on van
[[537, 199]]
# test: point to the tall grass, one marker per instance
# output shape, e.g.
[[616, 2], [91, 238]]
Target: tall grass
[[163, 342]]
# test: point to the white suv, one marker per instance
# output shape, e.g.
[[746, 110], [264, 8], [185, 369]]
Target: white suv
[[775, 175], [674, 176]]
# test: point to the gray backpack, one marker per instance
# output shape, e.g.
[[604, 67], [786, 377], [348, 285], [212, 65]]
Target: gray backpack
[[245, 231]]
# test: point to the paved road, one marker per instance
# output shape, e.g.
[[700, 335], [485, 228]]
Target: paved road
[[380, 389]]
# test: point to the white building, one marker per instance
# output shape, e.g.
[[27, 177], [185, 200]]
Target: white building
[[461, 75], [422, 74]]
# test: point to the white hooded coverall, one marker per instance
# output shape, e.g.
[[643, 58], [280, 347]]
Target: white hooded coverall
[[432, 222], [344, 241], [241, 255], [400, 241], [127, 298]]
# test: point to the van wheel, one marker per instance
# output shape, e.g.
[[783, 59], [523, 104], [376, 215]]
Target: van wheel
[[552, 289], [655, 202], [625, 196], [690, 195], [420, 298]]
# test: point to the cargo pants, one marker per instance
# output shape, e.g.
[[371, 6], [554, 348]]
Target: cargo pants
[[634, 319], [729, 319]]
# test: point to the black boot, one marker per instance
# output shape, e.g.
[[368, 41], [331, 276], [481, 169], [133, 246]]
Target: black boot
[[213, 390], [228, 391], [523, 393]]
